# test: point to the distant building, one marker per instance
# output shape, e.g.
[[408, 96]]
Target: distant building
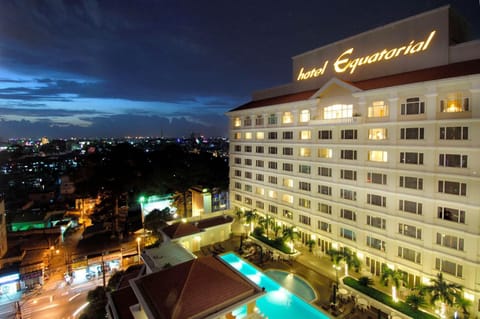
[[3, 229], [205, 200]]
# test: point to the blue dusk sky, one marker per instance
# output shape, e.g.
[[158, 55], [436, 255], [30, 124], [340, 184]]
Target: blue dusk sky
[[92, 68]]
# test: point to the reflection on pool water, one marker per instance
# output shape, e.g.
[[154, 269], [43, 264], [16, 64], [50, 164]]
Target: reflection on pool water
[[278, 302], [293, 283]]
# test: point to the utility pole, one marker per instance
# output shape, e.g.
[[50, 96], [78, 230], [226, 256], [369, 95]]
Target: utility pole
[[103, 270]]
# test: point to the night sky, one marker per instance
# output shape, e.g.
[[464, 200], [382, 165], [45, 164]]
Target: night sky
[[151, 68]]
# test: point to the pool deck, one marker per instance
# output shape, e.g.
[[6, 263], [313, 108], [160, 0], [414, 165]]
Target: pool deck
[[316, 270]]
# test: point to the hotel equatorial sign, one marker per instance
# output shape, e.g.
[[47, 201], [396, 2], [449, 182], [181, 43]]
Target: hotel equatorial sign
[[347, 62], [406, 45]]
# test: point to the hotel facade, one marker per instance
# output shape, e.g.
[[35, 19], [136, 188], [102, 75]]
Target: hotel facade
[[374, 146]]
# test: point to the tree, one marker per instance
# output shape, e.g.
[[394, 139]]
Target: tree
[[157, 219], [463, 304], [250, 218], [310, 243], [265, 222], [444, 292], [415, 300], [393, 276], [97, 299], [290, 234]]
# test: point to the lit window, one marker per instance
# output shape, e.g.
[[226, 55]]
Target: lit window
[[272, 194], [259, 191], [338, 111], [287, 118], [304, 116], [378, 156], [377, 134], [378, 109], [454, 103], [305, 151], [305, 135], [287, 198], [237, 136], [260, 135], [237, 122], [248, 135], [288, 182], [325, 152]]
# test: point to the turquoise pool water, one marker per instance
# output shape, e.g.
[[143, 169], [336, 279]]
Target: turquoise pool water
[[294, 283], [278, 302]]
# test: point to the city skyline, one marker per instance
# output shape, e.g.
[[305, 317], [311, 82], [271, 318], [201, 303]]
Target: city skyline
[[162, 69]]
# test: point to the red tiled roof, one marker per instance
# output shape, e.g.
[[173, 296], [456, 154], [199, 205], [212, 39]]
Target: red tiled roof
[[214, 221], [430, 74], [180, 229], [194, 289], [123, 299]]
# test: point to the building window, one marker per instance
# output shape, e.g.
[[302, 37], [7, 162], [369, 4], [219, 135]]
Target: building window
[[410, 207], [325, 190], [260, 191], [453, 160], [248, 175], [453, 188], [412, 133], [287, 118], [305, 135], [305, 203], [376, 178], [410, 255], [304, 186], [305, 152], [287, 135], [449, 267], [259, 149], [272, 135], [378, 109], [237, 160], [247, 121], [377, 134], [349, 134], [259, 204], [248, 188], [272, 165], [338, 111], [325, 134], [238, 173], [248, 135], [287, 214], [348, 234], [247, 148], [287, 167], [248, 161], [259, 121], [273, 209], [454, 133], [450, 241], [302, 219], [238, 197], [259, 177], [259, 163], [455, 103], [377, 200], [260, 135], [325, 153], [304, 116], [272, 179], [238, 185], [272, 194], [348, 194], [348, 154], [272, 150], [247, 200], [324, 208], [413, 106], [348, 214], [287, 198], [237, 148], [304, 169], [451, 215], [348, 174], [378, 156], [325, 171], [411, 158], [272, 119], [411, 182], [237, 136], [375, 243], [376, 222], [237, 122], [410, 231], [288, 182], [323, 226], [288, 151]]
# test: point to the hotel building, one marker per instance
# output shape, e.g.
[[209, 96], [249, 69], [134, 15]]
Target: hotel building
[[373, 146]]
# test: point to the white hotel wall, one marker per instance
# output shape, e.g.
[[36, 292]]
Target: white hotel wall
[[431, 92]]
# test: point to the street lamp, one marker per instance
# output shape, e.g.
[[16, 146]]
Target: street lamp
[[138, 248], [141, 200]]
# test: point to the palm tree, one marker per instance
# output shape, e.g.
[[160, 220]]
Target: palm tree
[[444, 292], [276, 228], [250, 217], [463, 304], [415, 300], [290, 234], [336, 256], [393, 276], [347, 256], [351, 260], [310, 243]]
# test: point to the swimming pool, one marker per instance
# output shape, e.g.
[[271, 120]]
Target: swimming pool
[[278, 302], [293, 283]]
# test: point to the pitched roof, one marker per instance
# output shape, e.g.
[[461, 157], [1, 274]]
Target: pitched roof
[[194, 289], [430, 74], [214, 221], [123, 299], [180, 230]]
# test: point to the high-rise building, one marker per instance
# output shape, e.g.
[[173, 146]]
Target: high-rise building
[[373, 146]]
